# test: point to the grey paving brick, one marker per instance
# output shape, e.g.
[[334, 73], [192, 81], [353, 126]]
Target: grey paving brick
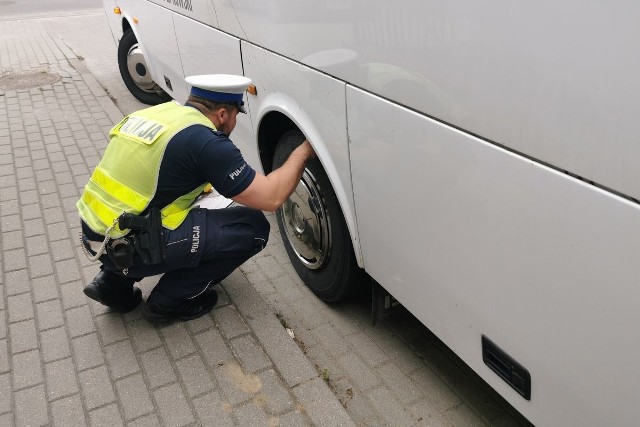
[[20, 307], [37, 245], [150, 420], [223, 297], [96, 387], [15, 259], [134, 396], [110, 328], [173, 406], [16, 282], [5, 391], [79, 321], [367, 349], [284, 353], [389, 407], [12, 240], [331, 339], [27, 369], [293, 419], [68, 412], [63, 174], [28, 197], [194, 375], [108, 416], [9, 220], [200, 324], [287, 289], [463, 416], [9, 194], [229, 322], [426, 414], [270, 267], [251, 355], [435, 389], [308, 314], [402, 356], [28, 184], [61, 379], [40, 164], [236, 386], [31, 407], [250, 414], [355, 402], [69, 206], [402, 386], [359, 373], [464, 382], [67, 270], [40, 265], [55, 344], [211, 410], [157, 367], [213, 347], [143, 335], [178, 340], [44, 288], [53, 215], [33, 227], [23, 336], [87, 351], [274, 394], [49, 314], [320, 404], [72, 295], [62, 249], [3, 322], [121, 359]]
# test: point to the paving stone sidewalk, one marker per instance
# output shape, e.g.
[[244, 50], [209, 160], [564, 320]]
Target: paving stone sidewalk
[[66, 360]]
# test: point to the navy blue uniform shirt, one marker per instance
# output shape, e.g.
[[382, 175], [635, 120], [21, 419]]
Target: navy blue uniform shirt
[[194, 156]]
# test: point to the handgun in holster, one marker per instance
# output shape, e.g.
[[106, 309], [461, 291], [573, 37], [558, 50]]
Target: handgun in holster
[[146, 238]]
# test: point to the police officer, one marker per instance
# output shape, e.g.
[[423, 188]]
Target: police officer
[[161, 159]]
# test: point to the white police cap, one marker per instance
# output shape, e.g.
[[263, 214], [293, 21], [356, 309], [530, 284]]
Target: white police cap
[[221, 88]]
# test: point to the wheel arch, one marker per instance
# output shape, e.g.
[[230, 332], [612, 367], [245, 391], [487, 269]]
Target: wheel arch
[[275, 118]]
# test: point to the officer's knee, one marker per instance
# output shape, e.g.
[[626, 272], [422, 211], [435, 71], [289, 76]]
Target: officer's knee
[[262, 225]]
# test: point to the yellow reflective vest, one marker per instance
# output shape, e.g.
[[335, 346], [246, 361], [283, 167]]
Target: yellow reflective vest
[[126, 179]]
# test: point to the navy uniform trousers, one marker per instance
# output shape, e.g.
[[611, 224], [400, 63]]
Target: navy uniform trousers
[[202, 251]]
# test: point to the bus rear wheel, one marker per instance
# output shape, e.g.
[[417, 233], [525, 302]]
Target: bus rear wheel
[[135, 73], [314, 232]]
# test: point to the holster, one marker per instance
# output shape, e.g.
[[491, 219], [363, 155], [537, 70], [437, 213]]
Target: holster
[[146, 240]]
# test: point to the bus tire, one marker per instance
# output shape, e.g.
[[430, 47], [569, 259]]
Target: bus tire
[[314, 232], [135, 73]]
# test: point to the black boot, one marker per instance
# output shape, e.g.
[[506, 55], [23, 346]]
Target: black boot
[[114, 291], [185, 310]]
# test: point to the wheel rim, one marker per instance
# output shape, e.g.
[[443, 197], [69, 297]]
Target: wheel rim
[[307, 224], [137, 67]]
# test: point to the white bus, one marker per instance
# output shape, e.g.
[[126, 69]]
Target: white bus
[[476, 159]]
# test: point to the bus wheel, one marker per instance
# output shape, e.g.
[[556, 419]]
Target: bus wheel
[[135, 73], [314, 232]]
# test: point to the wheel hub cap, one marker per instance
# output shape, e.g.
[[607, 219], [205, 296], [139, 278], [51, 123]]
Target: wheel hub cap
[[138, 70], [306, 223]]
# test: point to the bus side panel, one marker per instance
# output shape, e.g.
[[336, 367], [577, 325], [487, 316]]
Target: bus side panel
[[315, 103], [205, 50], [156, 35], [557, 81], [486, 242], [199, 10]]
